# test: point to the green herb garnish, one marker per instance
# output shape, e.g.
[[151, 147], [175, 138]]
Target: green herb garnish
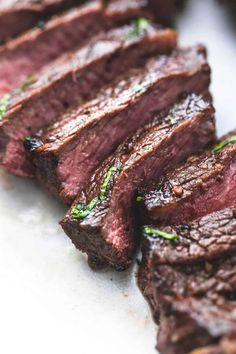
[[139, 199], [221, 145], [81, 211], [4, 102], [140, 25], [156, 232], [30, 80], [106, 181]]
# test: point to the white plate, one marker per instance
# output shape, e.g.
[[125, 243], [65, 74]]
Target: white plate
[[50, 301]]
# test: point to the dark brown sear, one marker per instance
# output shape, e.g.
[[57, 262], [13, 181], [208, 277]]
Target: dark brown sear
[[38, 47], [17, 16], [73, 148], [204, 184], [107, 232], [69, 82], [188, 275]]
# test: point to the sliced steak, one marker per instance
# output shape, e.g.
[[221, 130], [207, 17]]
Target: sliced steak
[[71, 81], [106, 231], [17, 16], [28, 53], [188, 272], [202, 239], [33, 50], [203, 184], [72, 149]]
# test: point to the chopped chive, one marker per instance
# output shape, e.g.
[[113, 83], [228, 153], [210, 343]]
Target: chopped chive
[[139, 199], [29, 81], [81, 211], [140, 25], [4, 103], [106, 181], [221, 145], [156, 232]]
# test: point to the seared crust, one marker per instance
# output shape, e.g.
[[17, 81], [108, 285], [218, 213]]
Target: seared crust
[[107, 233], [201, 239], [204, 184], [134, 98], [191, 283], [17, 16], [72, 80]]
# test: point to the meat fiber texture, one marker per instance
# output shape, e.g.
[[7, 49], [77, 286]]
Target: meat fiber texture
[[70, 81], [17, 16], [25, 55], [204, 184], [71, 150], [188, 274], [102, 221]]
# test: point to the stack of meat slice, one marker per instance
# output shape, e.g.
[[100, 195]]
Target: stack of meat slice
[[31, 51], [188, 271], [68, 153], [114, 119], [188, 275], [102, 221], [17, 16], [34, 49], [205, 183], [71, 80]]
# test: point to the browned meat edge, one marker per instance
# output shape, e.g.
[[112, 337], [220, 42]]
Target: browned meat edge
[[108, 233], [190, 282], [18, 16], [70, 82], [204, 184], [33, 50], [70, 153]]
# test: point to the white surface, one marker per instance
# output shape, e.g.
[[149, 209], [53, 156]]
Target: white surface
[[50, 301]]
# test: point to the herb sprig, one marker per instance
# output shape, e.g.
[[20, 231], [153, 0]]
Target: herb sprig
[[140, 25], [5, 100], [158, 233], [4, 103], [139, 199], [222, 144], [81, 211]]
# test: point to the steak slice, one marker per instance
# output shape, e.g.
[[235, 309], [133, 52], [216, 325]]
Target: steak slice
[[72, 149], [33, 50], [204, 184], [17, 16], [28, 53], [106, 232], [71, 81], [188, 272]]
